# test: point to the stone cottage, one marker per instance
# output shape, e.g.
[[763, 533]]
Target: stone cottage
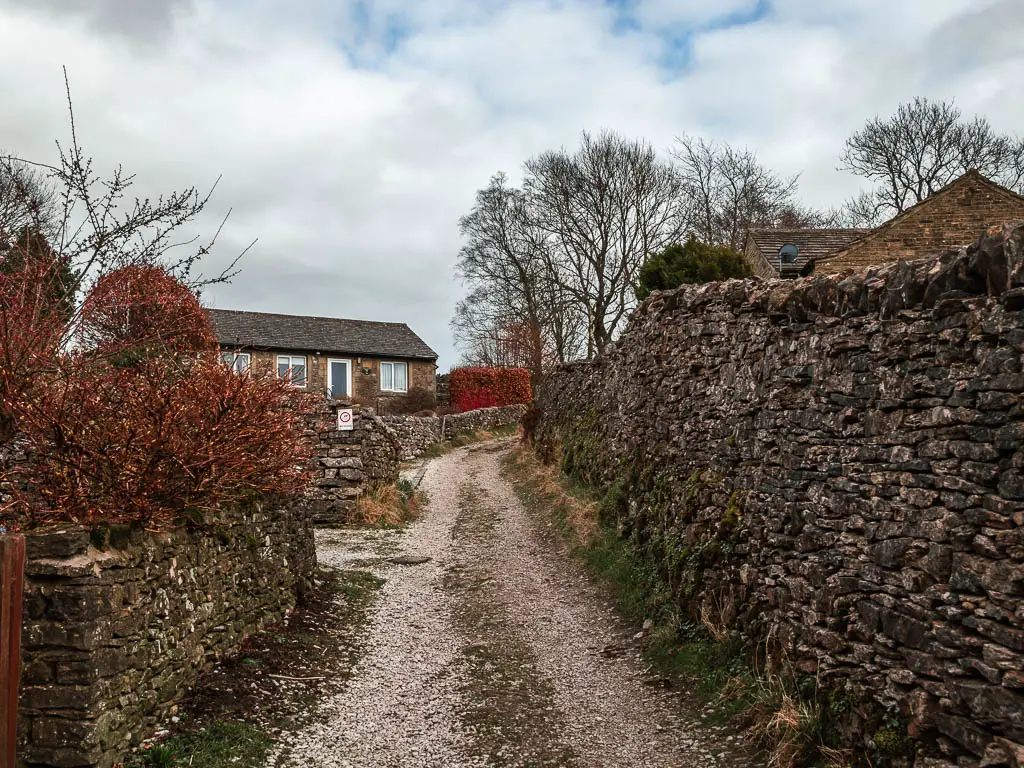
[[951, 218], [345, 359]]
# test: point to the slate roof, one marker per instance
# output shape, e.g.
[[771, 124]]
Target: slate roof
[[812, 243], [262, 330]]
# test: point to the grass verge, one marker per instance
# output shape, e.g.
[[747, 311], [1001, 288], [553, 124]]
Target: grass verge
[[221, 744], [709, 660]]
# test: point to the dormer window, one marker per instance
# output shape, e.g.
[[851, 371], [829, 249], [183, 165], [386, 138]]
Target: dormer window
[[787, 260], [788, 254]]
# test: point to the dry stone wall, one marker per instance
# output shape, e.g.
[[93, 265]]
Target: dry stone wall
[[417, 433], [834, 467], [348, 461], [481, 419], [118, 622]]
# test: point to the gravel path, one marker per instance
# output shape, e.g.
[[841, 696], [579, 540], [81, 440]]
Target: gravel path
[[495, 652]]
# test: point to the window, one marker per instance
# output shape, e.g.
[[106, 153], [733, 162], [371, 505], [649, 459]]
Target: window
[[293, 368], [394, 377], [236, 361]]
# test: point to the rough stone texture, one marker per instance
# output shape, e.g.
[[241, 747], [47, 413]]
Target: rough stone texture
[[834, 466], [348, 461], [482, 418], [118, 623], [951, 218], [443, 390], [417, 433]]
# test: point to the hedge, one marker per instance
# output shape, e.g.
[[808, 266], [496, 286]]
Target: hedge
[[473, 388]]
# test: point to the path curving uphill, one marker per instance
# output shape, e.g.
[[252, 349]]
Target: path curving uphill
[[495, 651]]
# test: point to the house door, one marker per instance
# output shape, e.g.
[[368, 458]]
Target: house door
[[339, 379]]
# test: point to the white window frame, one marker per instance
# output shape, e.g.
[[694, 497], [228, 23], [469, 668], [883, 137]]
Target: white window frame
[[290, 361], [235, 357], [392, 388], [330, 380]]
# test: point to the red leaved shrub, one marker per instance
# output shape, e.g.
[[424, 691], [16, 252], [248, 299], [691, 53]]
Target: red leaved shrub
[[143, 309], [158, 438], [472, 388], [33, 322], [125, 412]]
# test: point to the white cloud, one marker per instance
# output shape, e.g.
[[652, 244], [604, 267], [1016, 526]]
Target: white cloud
[[352, 134]]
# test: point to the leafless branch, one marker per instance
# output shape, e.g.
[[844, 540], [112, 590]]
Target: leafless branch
[[729, 191], [95, 223], [920, 149]]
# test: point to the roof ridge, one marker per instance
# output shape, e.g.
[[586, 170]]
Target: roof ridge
[[309, 332], [994, 184], [305, 317], [808, 229]]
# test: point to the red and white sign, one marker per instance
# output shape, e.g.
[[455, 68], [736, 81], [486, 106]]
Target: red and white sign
[[345, 419]]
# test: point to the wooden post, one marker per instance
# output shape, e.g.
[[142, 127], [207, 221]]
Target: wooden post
[[12, 571]]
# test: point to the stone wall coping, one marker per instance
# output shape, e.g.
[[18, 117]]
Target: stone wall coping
[[993, 266]]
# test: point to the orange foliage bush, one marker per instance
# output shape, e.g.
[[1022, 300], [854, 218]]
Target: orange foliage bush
[[143, 308], [126, 413]]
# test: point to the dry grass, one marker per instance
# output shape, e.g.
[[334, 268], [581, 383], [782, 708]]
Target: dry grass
[[716, 631], [783, 725], [836, 758], [579, 512], [387, 506]]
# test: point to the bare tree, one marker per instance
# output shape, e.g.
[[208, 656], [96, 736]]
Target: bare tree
[[502, 263], [920, 149], [95, 223], [728, 191], [493, 335], [797, 216], [604, 208], [26, 199]]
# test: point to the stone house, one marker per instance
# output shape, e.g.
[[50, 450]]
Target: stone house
[[952, 218], [345, 359], [774, 253]]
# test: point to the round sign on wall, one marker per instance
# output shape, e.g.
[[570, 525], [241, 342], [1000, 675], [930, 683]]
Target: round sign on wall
[[345, 418]]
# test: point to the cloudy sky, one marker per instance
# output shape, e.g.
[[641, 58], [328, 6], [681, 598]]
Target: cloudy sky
[[350, 135]]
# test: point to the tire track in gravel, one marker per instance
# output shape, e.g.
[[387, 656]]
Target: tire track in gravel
[[508, 704], [492, 653], [584, 656], [398, 709]]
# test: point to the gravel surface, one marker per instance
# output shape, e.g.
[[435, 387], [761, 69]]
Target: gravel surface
[[496, 651]]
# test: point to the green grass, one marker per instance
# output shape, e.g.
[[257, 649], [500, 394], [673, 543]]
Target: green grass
[[222, 744], [462, 439], [674, 646]]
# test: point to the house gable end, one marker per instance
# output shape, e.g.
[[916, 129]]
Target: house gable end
[[951, 218]]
